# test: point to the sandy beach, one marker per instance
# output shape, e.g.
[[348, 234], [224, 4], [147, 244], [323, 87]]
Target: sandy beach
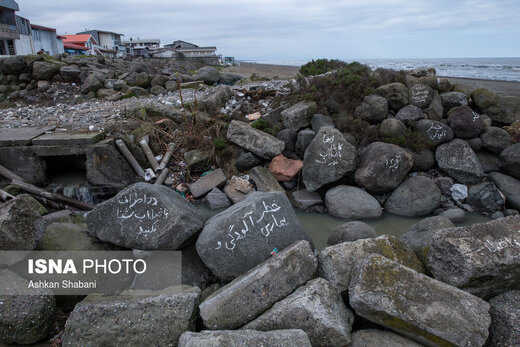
[[286, 71]]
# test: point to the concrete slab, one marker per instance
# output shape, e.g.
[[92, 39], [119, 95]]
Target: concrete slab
[[67, 139], [21, 136]]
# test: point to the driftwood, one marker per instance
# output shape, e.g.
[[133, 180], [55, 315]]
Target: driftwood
[[149, 155], [167, 155], [129, 158], [162, 176], [5, 195], [53, 196], [9, 174]]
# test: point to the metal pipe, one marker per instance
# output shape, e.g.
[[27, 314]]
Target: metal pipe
[[129, 157], [149, 155], [5, 195], [162, 176], [9, 174], [167, 155]]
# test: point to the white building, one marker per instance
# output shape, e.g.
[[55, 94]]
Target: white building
[[45, 38], [190, 50], [109, 42]]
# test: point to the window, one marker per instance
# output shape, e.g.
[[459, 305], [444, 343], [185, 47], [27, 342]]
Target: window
[[36, 35]]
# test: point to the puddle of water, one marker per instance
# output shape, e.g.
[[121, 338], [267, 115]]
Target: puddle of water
[[319, 226]]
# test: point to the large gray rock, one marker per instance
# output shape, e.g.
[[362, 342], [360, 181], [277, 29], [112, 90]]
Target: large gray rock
[[420, 95], [289, 137], [247, 161], [257, 290], [435, 132], [409, 114], [303, 140], [13, 65], [107, 167], [299, 115], [264, 180], [435, 110], [415, 305], [43, 70], [510, 160], [495, 139], [457, 160], [92, 83], [374, 337], [352, 203], [509, 186], [465, 122], [70, 73], [68, 237], [501, 109], [416, 196], [279, 338], [396, 94], [254, 140], [315, 308], [351, 231], [205, 184], [208, 75], [382, 167], [28, 317], [305, 200], [423, 160], [215, 98], [193, 270], [328, 158], [485, 197], [319, 121], [21, 226], [217, 199], [392, 128], [337, 262], [456, 215], [152, 318], [420, 235], [505, 319], [373, 109], [145, 216], [245, 234], [483, 259], [453, 99]]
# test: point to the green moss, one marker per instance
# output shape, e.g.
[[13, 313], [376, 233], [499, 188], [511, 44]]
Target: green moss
[[220, 143], [77, 218], [402, 326], [256, 77], [321, 66]]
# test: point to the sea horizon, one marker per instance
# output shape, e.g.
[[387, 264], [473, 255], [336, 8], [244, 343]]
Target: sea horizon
[[492, 68]]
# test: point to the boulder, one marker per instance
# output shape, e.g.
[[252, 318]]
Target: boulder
[[193, 270], [107, 167], [501, 109], [453, 99], [337, 262], [420, 235], [420, 95], [68, 237], [145, 216], [417, 306], [105, 93], [328, 158], [264, 180], [158, 90], [416, 196], [489, 161], [229, 78], [319, 121], [382, 167], [251, 294], [485, 197], [284, 169], [482, 259], [92, 83], [206, 183], [465, 122], [459, 192], [136, 91], [456, 215], [215, 98], [13, 65], [495, 139], [435, 110], [409, 114], [305, 200], [21, 226], [152, 318], [475, 143], [142, 80], [247, 161], [505, 319], [70, 73], [351, 231], [392, 128], [208, 74], [196, 160], [289, 137], [423, 160], [449, 155], [510, 160], [303, 140], [299, 115], [43, 70], [374, 337], [216, 199], [254, 140], [396, 94], [159, 80], [373, 109], [315, 308], [509, 186], [435, 132], [246, 234], [279, 338], [352, 203], [171, 86], [27, 317]]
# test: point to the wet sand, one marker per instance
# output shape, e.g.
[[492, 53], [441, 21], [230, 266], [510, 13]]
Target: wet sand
[[286, 72]]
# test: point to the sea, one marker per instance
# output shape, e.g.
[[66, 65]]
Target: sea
[[501, 69]]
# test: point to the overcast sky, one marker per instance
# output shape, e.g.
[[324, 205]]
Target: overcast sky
[[301, 29]]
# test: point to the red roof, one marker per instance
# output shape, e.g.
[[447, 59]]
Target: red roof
[[69, 45], [81, 38], [34, 26]]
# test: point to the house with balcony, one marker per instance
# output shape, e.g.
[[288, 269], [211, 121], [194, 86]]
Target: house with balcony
[[8, 30], [190, 50], [109, 42], [46, 39], [138, 45]]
